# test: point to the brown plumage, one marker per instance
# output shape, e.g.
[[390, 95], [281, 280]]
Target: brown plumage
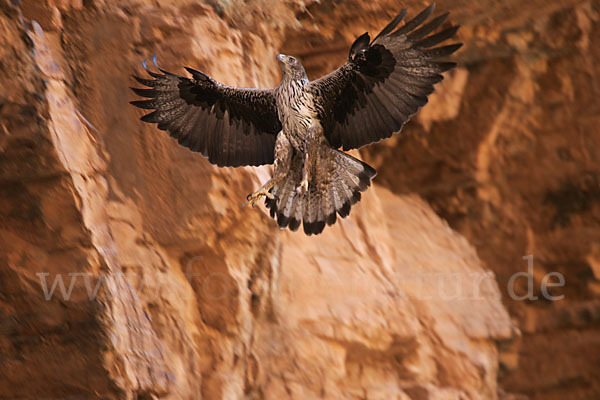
[[300, 125]]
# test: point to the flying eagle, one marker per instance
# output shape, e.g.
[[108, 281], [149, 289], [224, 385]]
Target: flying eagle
[[300, 125]]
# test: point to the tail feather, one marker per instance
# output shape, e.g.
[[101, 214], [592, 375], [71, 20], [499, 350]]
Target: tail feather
[[334, 188], [286, 201]]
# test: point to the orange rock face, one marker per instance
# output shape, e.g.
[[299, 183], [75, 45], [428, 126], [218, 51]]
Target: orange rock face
[[128, 269]]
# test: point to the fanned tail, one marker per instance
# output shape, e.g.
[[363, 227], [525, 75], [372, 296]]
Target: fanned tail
[[333, 189]]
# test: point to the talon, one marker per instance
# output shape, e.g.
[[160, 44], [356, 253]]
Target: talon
[[250, 201], [252, 198]]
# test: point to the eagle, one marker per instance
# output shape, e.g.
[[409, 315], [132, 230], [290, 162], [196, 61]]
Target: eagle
[[303, 127]]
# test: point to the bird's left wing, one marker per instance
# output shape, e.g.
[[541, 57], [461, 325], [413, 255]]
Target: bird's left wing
[[384, 82], [231, 126]]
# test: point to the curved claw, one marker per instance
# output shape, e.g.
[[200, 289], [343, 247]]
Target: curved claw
[[154, 60], [250, 199], [253, 198], [144, 64]]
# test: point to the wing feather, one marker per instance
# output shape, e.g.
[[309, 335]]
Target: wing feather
[[416, 21], [437, 38], [392, 25], [427, 28], [231, 126], [384, 82]]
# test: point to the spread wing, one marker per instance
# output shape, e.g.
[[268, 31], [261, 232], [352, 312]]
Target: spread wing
[[231, 126], [384, 82]]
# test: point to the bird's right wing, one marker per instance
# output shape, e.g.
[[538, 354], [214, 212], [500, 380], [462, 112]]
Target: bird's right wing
[[231, 126], [383, 82]]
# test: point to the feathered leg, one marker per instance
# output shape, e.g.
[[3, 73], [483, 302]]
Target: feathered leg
[[312, 141], [283, 160]]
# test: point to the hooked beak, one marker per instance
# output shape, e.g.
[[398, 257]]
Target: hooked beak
[[280, 57]]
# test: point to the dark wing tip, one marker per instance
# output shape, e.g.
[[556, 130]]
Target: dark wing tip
[[445, 66], [150, 117], [451, 48], [428, 27], [197, 75], [154, 74], [416, 21], [144, 104], [429, 10], [155, 62], [438, 38], [148, 93], [393, 24], [442, 51], [145, 82]]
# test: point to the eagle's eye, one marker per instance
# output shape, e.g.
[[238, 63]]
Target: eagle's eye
[[292, 60]]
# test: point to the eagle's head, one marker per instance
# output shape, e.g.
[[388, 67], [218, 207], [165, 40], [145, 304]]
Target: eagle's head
[[291, 68]]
